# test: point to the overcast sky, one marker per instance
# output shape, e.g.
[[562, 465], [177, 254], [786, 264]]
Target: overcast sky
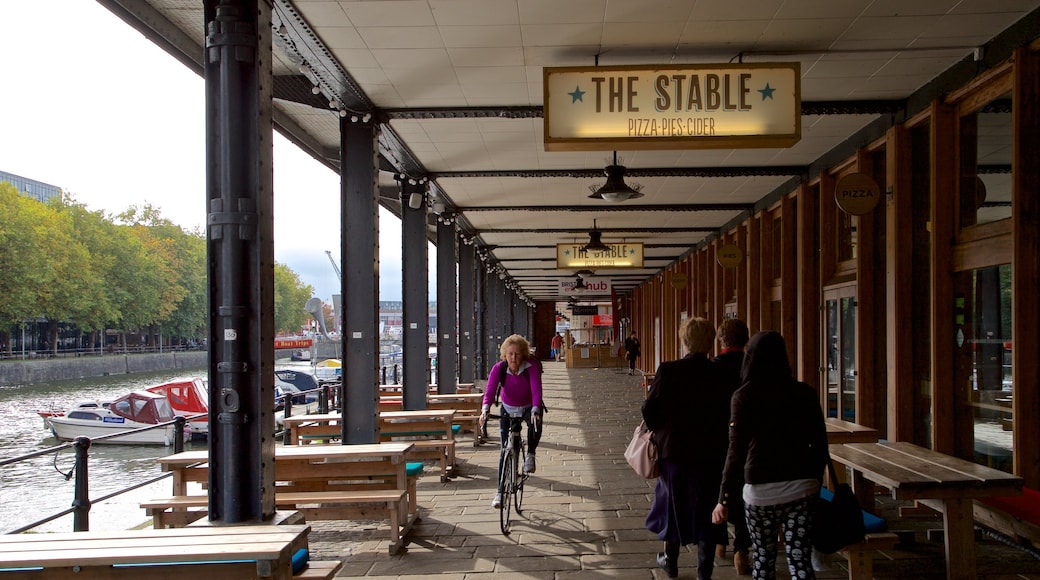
[[91, 106]]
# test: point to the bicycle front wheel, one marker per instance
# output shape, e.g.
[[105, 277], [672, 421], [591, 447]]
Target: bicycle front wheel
[[519, 477], [508, 485]]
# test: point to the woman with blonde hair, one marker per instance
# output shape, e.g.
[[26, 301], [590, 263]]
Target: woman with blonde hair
[[516, 380], [686, 409]]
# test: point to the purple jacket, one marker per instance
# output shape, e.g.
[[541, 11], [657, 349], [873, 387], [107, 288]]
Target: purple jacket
[[519, 390]]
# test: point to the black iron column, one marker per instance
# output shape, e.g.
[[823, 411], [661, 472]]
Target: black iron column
[[359, 250], [447, 306], [415, 292], [466, 309], [480, 321], [241, 260]]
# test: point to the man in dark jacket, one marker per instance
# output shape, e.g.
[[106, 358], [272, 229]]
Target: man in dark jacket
[[733, 337]]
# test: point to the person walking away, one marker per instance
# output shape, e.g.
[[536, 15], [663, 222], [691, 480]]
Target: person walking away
[[686, 408], [733, 337], [517, 379], [557, 347], [777, 437], [632, 351]]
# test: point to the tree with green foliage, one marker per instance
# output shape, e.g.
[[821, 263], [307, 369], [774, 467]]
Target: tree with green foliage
[[290, 297], [136, 272]]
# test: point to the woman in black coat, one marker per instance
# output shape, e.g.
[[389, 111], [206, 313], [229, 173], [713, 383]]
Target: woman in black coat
[[778, 439], [687, 409]]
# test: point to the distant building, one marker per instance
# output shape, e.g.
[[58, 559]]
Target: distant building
[[37, 190]]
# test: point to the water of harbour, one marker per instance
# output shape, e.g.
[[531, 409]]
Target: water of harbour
[[33, 489]]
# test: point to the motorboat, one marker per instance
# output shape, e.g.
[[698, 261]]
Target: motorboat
[[134, 410], [298, 386], [189, 398], [330, 369], [46, 415]]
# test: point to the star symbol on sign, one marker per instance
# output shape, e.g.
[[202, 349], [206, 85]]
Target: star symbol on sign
[[577, 95], [767, 92]]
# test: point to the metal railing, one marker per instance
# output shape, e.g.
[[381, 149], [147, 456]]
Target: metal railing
[[81, 502]]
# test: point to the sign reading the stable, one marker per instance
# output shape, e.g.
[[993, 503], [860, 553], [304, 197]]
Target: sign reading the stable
[[703, 107], [573, 256]]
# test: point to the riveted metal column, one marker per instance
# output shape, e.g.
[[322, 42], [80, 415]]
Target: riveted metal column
[[467, 310], [415, 292], [447, 306], [241, 259], [359, 248], [480, 321]]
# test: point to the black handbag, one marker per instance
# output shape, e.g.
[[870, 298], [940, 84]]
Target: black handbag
[[839, 522]]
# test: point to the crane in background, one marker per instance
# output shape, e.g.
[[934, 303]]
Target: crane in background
[[334, 266]]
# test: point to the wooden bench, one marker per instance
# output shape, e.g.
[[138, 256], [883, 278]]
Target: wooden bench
[[430, 432], [371, 481], [255, 551], [861, 555], [366, 504]]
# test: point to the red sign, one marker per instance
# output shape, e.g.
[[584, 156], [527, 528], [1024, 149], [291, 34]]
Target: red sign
[[293, 343], [603, 320]]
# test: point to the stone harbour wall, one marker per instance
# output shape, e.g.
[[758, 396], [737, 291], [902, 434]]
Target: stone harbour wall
[[27, 372]]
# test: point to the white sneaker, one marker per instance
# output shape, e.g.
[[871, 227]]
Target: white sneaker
[[497, 502], [529, 465]]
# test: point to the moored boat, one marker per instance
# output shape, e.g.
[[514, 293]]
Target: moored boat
[[189, 398], [134, 410]]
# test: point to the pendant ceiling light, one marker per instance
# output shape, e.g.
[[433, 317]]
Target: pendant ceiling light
[[615, 189], [595, 241]]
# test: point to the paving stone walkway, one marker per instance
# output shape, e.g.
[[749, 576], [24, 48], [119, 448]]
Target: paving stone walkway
[[584, 510]]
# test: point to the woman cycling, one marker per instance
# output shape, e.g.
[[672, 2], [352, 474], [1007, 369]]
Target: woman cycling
[[517, 380]]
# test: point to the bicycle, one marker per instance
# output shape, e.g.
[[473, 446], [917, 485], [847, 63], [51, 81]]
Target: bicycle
[[513, 475]]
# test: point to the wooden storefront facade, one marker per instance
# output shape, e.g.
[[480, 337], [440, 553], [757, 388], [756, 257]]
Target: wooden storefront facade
[[920, 318]]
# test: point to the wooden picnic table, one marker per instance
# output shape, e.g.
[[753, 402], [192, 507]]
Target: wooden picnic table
[[430, 430], [250, 551], [945, 483], [839, 431], [326, 482]]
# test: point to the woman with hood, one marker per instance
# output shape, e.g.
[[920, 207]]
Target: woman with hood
[[777, 436]]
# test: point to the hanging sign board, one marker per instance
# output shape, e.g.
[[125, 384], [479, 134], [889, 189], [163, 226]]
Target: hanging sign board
[[572, 256], [857, 193], [679, 280], [600, 108], [595, 285]]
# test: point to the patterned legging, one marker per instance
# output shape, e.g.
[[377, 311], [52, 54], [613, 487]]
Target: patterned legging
[[765, 523]]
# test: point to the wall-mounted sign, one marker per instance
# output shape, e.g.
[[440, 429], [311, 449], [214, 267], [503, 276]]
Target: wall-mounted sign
[[603, 320], [672, 107], [679, 280], [729, 256], [592, 286], [857, 193], [573, 257]]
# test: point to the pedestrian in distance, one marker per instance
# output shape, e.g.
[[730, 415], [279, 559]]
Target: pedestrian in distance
[[557, 346], [632, 351], [517, 381], [686, 408], [778, 440]]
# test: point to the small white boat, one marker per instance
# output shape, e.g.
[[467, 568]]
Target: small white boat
[[132, 411]]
